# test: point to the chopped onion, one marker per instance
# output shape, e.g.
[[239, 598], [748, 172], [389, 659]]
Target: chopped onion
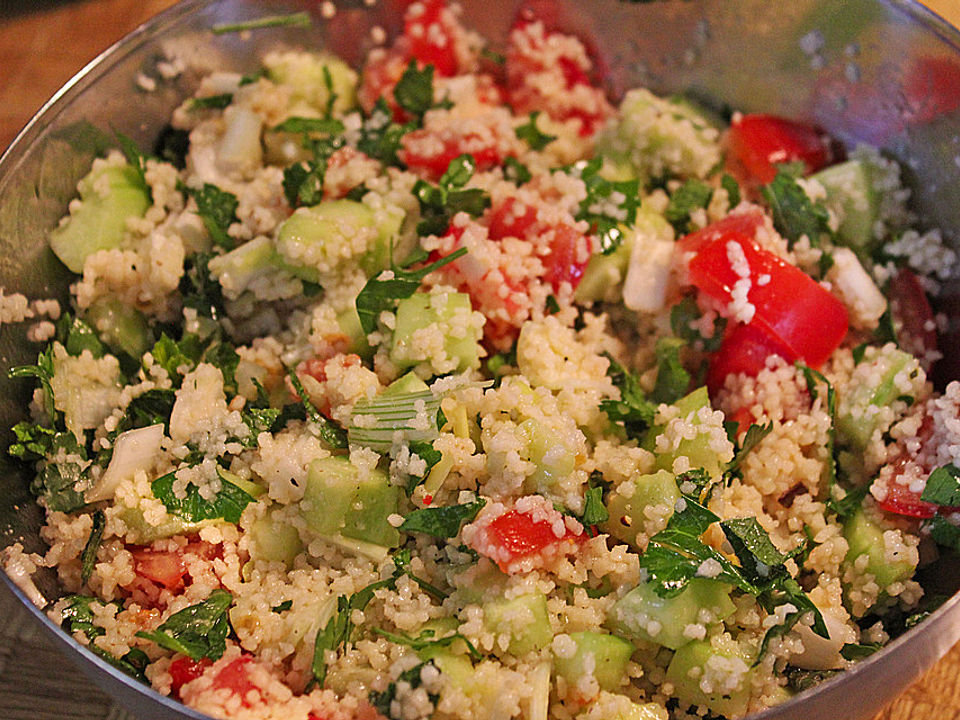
[[645, 287], [133, 450]]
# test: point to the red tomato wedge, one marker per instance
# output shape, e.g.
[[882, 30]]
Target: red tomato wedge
[[795, 312], [744, 350], [184, 670], [901, 500], [234, 677], [430, 36], [515, 536], [759, 142], [164, 568]]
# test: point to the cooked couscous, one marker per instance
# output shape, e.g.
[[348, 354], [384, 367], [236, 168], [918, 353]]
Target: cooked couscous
[[449, 388]]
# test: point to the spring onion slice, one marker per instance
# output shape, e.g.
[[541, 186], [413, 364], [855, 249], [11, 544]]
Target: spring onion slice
[[300, 19]]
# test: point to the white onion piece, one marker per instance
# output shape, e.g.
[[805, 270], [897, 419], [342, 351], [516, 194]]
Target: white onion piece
[[240, 149], [856, 289], [648, 274], [134, 450], [820, 653]]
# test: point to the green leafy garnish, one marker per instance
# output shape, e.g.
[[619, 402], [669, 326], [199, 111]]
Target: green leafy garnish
[[794, 214], [692, 195], [672, 377], [64, 468], [441, 522], [531, 134], [426, 452], [325, 125], [440, 202], [855, 651], [78, 617], [755, 433], [228, 504], [282, 607], [42, 372], [332, 434], [943, 487], [380, 137], [218, 210], [515, 171], [384, 291], [684, 313], [137, 160], [88, 557], [632, 409], [594, 511], [733, 189], [199, 290], [76, 336], [198, 631], [427, 642], [211, 102], [813, 377], [608, 205], [414, 91], [299, 19]]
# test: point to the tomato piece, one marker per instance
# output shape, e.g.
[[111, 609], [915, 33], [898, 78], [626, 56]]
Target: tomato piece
[[911, 310], [744, 350], [789, 306], [759, 142], [512, 218], [380, 75], [430, 37], [165, 568], [564, 263], [426, 154], [901, 500], [515, 536], [234, 677], [184, 670]]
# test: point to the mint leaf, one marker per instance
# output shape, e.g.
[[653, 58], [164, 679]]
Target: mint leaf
[[88, 557], [198, 631], [426, 643], [441, 522], [692, 195], [211, 102], [672, 378], [531, 134], [439, 203], [296, 124], [794, 214], [414, 91], [228, 504], [943, 487], [218, 210], [632, 409]]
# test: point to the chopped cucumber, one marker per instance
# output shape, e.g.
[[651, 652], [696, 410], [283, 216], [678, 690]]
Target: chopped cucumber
[[404, 385], [396, 416], [660, 137], [307, 74], [644, 615], [109, 196], [524, 618], [420, 315], [645, 711], [851, 195], [122, 327], [337, 501], [142, 532], [599, 654], [604, 274], [349, 322], [717, 677], [865, 537], [697, 449], [628, 502], [553, 459], [875, 386], [273, 540], [251, 265]]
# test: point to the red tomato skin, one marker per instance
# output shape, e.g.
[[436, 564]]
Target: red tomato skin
[[745, 349], [511, 219], [759, 142], [184, 670], [900, 500], [793, 309], [162, 567], [433, 166], [233, 677], [429, 46], [562, 264], [518, 536]]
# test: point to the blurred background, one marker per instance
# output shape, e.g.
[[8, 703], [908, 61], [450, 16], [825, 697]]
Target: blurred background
[[43, 43]]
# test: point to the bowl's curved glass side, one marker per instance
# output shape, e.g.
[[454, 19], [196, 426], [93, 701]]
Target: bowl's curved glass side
[[852, 77]]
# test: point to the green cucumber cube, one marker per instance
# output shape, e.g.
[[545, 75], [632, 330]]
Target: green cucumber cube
[[122, 327], [274, 540], [449, 313], [109, 195], [628, 502], [524, 618], [697, 449], [554, 460], [865, 537], [851, 195], [873, 388], [340, 502], [716, 677], [644, 615], [599, 654]]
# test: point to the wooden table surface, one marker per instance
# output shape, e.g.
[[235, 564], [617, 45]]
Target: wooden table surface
[[42, 44]]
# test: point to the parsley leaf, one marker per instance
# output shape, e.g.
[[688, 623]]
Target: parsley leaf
[[383, 294], [427, 642], [199, 290], [813, 377], [632, 409], [690, 196], [382, 701], [414, 91], [88, 557], [515, 171], [380, 137], [531, 134], [684, 314], [855, 651], [594, 511], [331, 433], [64, 468], [296, 124], [228, 504], [794, 214], [282, 607], [78, 617], [733, 189], [137, 160], [426, 452], [672, 378], [218, 210], [943, 532], [43, 373], [211, 102], [943, 486], [755, 433], [198, 631], [608, 204], [439, 203], [441, 522]]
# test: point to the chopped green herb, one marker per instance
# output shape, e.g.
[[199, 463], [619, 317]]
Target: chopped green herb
[[632, 409], [515, 171], [755, 433], [441, 522], [380, 137], [88, 557], [439, 203], [551, 305], [594, 511], [414, 91], [172, 146], [282, 607], [794, 214], [137, 160], [211, 102], [330, 433], [733, 189], [228, 504], [682, 317], [198, 631], [326, 126], [943, 487], [427, 641], [382, 293], [608, 205], [692, 195], [299, 19], [426, 452], [531, 134], [218, 210], [854, 651], [672, 377]]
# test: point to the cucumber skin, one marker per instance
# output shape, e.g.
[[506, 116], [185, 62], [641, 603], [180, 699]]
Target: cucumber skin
[[610, 656]]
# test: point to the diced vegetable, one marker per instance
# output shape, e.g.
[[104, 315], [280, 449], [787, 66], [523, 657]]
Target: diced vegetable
[[420, 317], [240, 150], [598, 654], [109, 196], [673, 621], [705, 450], [133, 450], [851, 195], [274, 540], [866, 537], [524, 619], [629, 503], [651, 259], [122, 327], [338, 501], [320, 82], [758, 143], [726, 692], [407, 407]]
